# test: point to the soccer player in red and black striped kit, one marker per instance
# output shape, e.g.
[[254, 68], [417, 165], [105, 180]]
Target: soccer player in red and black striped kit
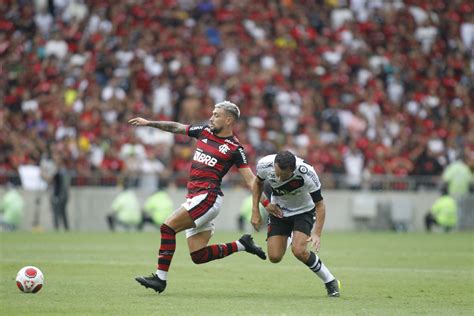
[[217, 150]]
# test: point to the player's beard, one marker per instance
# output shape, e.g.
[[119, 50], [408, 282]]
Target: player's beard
[[216, 130]]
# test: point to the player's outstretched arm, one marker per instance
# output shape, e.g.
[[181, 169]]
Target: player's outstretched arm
[[257, 190], [167, 126], [248, 176]]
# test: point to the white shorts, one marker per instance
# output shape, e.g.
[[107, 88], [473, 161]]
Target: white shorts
[[203, 209]]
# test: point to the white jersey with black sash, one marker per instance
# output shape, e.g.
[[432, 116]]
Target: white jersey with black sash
[[293, 195]]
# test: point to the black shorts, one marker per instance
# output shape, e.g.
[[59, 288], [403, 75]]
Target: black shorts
[[284, 226]]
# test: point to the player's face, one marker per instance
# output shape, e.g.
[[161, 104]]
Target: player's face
[[218, 120], [282, 174]]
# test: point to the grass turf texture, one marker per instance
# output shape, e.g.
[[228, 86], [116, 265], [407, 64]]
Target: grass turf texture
[[381, 274]]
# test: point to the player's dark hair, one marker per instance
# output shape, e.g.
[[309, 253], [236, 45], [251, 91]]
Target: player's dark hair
[[285, 160]]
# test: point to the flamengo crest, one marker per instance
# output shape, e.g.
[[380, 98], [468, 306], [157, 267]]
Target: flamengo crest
[[224, 148]]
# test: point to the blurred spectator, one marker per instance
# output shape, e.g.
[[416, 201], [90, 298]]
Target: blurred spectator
[[245, 214], [467, 33], [377, 73], [162, 98], [151, 172], [354, 165], [56, 47], [133, 155], [113, 90], [458, 178], [443, 213], [76, 10], [326, 135], [11, 209], [125, 209], [44, 21], [60, 193], [157, 207]]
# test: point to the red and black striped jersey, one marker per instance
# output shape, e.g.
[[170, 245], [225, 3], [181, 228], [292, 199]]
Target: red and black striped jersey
[[213, 158]]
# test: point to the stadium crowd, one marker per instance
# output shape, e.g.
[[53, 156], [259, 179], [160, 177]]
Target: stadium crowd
[[379, 86]]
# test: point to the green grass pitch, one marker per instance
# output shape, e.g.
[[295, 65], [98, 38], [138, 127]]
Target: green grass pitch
[[381, 274]]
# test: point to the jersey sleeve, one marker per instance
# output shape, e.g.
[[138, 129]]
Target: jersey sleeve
[[240, 158], [262, 169], [312, 180], [194, 130]]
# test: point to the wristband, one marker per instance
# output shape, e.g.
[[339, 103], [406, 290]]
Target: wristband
[[265, 202]]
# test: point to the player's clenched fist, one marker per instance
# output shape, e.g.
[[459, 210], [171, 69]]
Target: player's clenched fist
[[138, 121]]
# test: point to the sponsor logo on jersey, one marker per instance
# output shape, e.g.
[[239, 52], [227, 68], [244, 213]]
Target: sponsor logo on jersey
[[314, 177], [194, 128], [206, 159], [284, 209], [242, 153], [224, 148]]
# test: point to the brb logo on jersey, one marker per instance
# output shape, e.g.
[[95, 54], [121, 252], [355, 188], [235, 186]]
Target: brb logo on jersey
[[224, 148], [201, 157]]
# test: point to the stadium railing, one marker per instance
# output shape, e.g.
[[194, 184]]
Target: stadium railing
[[329, 181]]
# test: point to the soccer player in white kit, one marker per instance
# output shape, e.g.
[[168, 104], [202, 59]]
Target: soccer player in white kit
[[295, 201]]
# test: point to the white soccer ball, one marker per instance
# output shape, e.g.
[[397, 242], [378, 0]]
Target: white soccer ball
[[29, 279]]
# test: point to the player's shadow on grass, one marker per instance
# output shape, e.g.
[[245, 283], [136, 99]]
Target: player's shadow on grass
[[186, 293]]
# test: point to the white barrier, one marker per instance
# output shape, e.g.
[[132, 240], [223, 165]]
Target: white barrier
[[88, 205]]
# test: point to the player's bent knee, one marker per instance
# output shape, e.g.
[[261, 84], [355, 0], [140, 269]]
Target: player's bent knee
[[274, 259], [299, 252]]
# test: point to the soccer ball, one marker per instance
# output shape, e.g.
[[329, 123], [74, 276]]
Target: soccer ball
[[29, 279]]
